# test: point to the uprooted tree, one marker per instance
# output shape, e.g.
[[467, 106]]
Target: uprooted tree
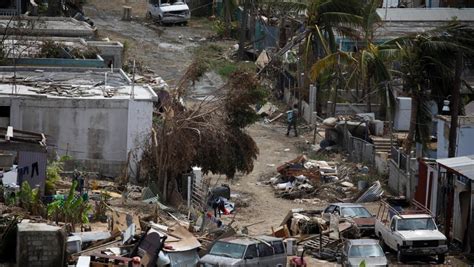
[[210, 134]]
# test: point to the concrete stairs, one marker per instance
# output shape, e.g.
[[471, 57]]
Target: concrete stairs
[[382, 144]]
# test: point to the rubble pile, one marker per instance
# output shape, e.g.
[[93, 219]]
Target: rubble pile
[[321, 237], [313, 181]]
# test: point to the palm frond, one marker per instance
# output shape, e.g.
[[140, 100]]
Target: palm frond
[[324, 64], [328, 63]]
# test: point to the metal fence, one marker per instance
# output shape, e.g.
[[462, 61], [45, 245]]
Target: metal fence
[[359, 150], [9, 12], [12, 10], [401, 159]]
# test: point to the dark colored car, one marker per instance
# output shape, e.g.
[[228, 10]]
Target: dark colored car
[[357, 212]]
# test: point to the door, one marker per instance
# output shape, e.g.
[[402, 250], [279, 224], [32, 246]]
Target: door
[[265, 255], [279, 254], [388, 235], [251, 256], [153, 7], [4, 116], [328, 211]]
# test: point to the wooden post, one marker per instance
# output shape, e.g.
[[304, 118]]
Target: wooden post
[[127, 13]]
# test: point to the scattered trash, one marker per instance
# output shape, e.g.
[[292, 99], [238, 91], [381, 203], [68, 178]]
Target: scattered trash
[[373, 193]]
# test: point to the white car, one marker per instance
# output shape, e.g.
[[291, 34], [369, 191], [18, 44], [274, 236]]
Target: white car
[[168, 11]]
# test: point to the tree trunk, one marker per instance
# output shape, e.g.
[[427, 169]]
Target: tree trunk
[[369, 103], [413, 121], [227, 17], [243, 30], [455, 106]]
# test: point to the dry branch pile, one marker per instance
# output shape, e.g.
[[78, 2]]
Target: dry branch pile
[[210, 134]]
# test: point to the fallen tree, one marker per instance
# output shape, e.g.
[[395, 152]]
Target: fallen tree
[[210, 134]]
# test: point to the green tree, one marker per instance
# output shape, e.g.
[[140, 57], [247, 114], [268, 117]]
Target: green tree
[[429, 67]]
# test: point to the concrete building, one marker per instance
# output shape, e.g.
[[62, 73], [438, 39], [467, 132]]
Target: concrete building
[[93, 115], [25, 50], [45, 26], [465, 136]]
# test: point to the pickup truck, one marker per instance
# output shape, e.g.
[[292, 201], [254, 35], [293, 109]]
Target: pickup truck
[[410, 232]]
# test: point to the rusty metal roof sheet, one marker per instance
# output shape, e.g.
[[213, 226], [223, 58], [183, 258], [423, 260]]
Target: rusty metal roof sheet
[[461, 165]]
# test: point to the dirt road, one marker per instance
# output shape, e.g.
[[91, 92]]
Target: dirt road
[[167, 51], [275, 149]]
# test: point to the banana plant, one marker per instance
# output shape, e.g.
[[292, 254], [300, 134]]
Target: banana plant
[[73, 209]]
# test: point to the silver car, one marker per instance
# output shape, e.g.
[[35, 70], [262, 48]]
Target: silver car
[[246, 251], [357, 250]]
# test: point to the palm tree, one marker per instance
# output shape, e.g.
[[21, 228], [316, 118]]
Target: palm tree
[[368, 64], [429, 66]]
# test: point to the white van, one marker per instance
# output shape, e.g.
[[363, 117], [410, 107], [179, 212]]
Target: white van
[[168, 11]]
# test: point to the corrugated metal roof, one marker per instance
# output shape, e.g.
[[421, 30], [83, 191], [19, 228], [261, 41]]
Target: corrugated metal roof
[[461, 165]]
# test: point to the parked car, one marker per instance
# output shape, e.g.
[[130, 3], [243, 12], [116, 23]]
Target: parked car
[[361, 216], [246, 251], [355, 251], [410, 233], [168, 11]]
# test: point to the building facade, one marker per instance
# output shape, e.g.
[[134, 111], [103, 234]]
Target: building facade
[[94, 116]]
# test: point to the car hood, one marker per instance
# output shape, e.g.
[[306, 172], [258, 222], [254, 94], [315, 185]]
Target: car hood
[[369, 261], [169, 8], [422, 235], [220, 260], [364, 221]]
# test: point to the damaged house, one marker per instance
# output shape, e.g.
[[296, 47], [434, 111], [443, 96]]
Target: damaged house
[[97, 117]]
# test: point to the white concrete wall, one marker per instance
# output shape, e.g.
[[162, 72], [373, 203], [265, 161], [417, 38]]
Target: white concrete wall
[[140, 121], [98, 133], [398, 179], [465, 136]]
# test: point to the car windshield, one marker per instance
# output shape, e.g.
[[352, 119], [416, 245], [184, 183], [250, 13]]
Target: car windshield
[[230, 250], [365, 251], [356, 212], [416, 224]]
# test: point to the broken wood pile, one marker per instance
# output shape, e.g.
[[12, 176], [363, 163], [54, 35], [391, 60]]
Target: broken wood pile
[[313, 233], [303, 179]]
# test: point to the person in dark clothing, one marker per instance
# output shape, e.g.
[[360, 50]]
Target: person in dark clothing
[[218, 205], [292, 116]]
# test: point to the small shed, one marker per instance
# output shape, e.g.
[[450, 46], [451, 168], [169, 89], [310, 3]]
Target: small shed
[[456, 176]]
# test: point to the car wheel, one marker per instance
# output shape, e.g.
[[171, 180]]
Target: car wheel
[[400, 258], [441, 258]]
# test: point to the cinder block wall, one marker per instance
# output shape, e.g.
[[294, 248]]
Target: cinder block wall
[[39, 244]]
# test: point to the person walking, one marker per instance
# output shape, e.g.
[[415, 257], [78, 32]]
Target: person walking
[[292, 116]]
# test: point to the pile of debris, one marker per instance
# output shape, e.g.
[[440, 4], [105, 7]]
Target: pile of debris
[[319, 182], [308, 230], [302, 179]]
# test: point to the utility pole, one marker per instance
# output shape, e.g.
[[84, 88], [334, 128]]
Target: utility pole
[[243, 29], [455, 106], [453, 139]]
